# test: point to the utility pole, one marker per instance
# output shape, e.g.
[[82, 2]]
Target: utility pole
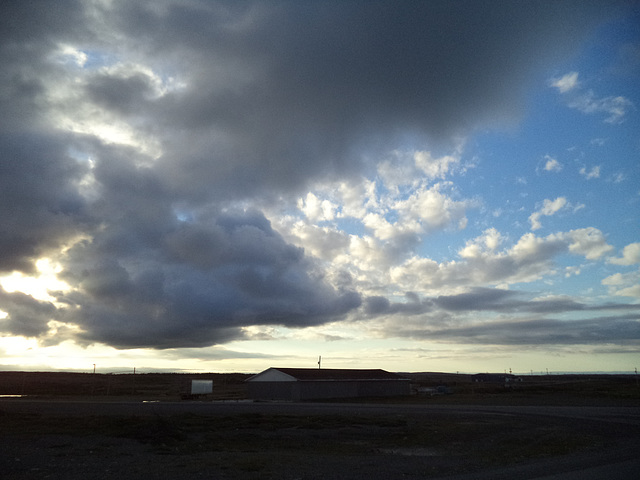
[[319, 362], [93, 382]]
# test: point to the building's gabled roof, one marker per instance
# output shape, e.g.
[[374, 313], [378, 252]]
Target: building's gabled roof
[[325, 374]]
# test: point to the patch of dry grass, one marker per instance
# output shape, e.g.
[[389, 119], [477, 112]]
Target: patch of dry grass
[[490, 440]]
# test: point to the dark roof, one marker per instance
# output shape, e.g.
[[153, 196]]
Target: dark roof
[[493, 375], [338, 374]]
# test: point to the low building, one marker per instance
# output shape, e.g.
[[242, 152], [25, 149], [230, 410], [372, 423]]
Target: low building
[[198, 389], [201, 387], [298, 384]]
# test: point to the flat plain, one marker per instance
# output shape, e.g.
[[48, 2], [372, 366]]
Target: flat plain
[[72, 426]]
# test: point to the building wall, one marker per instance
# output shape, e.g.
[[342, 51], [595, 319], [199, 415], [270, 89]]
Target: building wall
[[390, 388], [312, 390], [326, 389], [272, 390]]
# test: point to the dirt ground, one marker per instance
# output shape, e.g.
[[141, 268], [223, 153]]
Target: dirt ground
[[470, 432]]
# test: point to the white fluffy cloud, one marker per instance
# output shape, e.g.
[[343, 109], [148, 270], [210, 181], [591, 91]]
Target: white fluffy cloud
[[482, 263], [431, 208], [565, 83], [434, 167], [587, 102], [589, 242], [632, 291], [315, 209], [623, 284], [594, 172], [413, 168], [630, 255], [324, 242], [615, 279], [552, 164], [615, 107], [549, 207], [489, 241], [397, 208]]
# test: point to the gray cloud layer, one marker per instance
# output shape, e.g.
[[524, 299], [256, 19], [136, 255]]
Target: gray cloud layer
[[615, 330], [267, 96], [516, 320]]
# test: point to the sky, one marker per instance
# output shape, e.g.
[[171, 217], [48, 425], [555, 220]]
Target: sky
[[233, 185]]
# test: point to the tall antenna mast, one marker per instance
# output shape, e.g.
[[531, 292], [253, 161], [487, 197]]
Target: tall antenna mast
[[319, 361]]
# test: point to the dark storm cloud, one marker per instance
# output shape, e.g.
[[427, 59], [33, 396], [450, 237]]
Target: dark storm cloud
[[26, 316], [195, 285], [125, 94], [29, 31], [300, 89], [40, 206], [267, 97], [278, 92]]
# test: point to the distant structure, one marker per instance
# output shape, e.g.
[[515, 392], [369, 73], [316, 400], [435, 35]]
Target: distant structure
[[299, 384], [495, 378], [201, 387]]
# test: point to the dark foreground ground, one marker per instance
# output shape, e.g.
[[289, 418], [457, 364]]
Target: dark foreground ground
[[562, 427]]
